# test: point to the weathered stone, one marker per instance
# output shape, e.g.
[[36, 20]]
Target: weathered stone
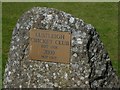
[[89, 66]]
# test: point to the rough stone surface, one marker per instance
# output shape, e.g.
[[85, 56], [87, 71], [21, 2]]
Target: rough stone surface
[[89, 67]]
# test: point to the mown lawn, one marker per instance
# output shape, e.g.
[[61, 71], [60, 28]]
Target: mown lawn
[[103, 16]]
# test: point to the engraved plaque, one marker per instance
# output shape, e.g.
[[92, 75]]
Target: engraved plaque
[[49, 45]]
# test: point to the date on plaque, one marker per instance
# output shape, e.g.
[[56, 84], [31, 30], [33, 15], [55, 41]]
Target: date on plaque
[[48, 45]]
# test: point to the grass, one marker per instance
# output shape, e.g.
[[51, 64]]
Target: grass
[[103, 16], [0, 46]]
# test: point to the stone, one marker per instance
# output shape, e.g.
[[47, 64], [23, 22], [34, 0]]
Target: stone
[[89, 65]]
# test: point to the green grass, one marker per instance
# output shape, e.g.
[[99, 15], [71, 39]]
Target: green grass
[[103, 16], [0, 46]]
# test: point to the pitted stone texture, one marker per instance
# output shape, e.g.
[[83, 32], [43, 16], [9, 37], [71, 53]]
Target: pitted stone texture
[[90, 65]]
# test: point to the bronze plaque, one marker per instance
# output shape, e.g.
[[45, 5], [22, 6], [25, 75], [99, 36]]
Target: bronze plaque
[[49, 45]]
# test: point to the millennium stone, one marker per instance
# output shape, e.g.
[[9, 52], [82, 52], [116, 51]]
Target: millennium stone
[[89, 64]]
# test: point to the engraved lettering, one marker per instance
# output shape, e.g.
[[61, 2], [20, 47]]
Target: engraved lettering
[[44, 41], [44, 46], [49, 52], [48, 45], [58, 42], [47, 35]]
